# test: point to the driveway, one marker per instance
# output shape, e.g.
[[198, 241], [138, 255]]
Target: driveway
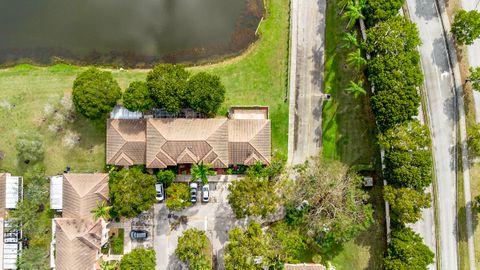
[[441, 105], [306, 79], [215, 217]]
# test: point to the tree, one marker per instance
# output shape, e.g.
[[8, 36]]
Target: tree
[[30, 148], [350, 40], [194, 248], [95, 93], [406, 204], [356, 59], [387, 72], [25, 216], [473, 137], [466, 26], [288, 243], [381, 10], [131, 191], [406, 250], [409, 136], [354, 12], [206, 93], [101, 211], [474, 78], [109, 265], [166, 84], [248, 249], [137, 97], [395, 106], [395, 36], [166, 176], [178, 196], [356, 89], [337, 208], [201, 172], [342, 4], [138, 259], [252, 196], [34, 258]]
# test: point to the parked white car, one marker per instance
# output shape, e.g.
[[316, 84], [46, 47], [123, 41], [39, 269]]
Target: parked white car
[[205, 193], [160, 192], [193, 191]]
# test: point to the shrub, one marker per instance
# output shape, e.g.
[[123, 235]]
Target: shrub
[[205, 93]]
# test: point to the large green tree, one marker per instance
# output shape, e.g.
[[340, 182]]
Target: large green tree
[[381, 10], [139, 259], [166, 176], [466, 26], [288, 243], [205, 93], [178, 196], [406, 204], [131, 191], [394, 36], [167, 84], [137, 97], [337, 208], [394, 71], [252, 196], [395, 106], [248, 249], [34, 258], [95, 93], [474, 78], [194, 249], [406, 250]]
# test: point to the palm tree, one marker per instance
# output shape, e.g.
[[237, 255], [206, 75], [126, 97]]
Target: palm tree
[[355, 58], [342, 4], [356, 88], [109, 265], [201, 172], [353, 13], [101, 211], [350, 40]]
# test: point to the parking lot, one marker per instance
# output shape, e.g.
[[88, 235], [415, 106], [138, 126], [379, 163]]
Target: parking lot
[[215, 217]]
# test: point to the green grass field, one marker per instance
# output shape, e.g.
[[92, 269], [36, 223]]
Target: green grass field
[[349, 135], [28, 94]]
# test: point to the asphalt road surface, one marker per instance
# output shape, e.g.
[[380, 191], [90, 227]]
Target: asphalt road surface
[[442, 113], [306, 79]]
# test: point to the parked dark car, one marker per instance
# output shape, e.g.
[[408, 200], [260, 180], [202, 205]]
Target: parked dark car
[[139, 234]]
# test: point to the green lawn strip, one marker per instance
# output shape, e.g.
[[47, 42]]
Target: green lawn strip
[[348, 131], [258, 78], [461, 218]]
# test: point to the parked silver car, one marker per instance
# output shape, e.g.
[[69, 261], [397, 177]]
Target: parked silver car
[[160, 192], [205, 193]]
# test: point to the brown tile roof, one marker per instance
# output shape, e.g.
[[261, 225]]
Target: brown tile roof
[[304, 266], [125, 142], [249, 141], [3, 180], [187, 141], [81, 193], [78, 242]]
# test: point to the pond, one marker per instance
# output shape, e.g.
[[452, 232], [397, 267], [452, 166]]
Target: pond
[[129, 33]]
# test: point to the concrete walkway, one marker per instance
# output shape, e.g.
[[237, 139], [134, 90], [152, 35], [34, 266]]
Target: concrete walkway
[[306, 79]]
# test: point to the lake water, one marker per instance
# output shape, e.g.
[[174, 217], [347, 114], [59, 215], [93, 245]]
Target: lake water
[[133, 33]]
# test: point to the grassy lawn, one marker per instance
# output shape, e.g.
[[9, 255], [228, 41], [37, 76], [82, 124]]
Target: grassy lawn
[[28, 94], [349, 135]]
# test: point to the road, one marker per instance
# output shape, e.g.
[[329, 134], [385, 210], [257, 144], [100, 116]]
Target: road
[[442, 110], [306, 79]]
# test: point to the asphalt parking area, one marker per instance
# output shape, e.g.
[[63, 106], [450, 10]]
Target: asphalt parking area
[[215, 217]]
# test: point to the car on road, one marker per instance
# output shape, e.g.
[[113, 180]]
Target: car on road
[[193, 191], [139, 234], [160, 192], [205, 193]]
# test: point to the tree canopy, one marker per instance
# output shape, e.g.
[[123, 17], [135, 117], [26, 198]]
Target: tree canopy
[[194, 249], [34, 258], [474, 78], [139, 259], [178, 196], [131, 191], [167, 84], [201, 172], [95, 93], [248, 249], [394, 36], [205, 93], [166, 176], [252, 196], [466, 26], [406, 204], [381, 10], [137, 97], [406, 250], [30, 148], [337, 208]]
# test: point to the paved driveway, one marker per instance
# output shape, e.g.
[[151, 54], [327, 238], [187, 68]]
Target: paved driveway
[[215, 217]]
